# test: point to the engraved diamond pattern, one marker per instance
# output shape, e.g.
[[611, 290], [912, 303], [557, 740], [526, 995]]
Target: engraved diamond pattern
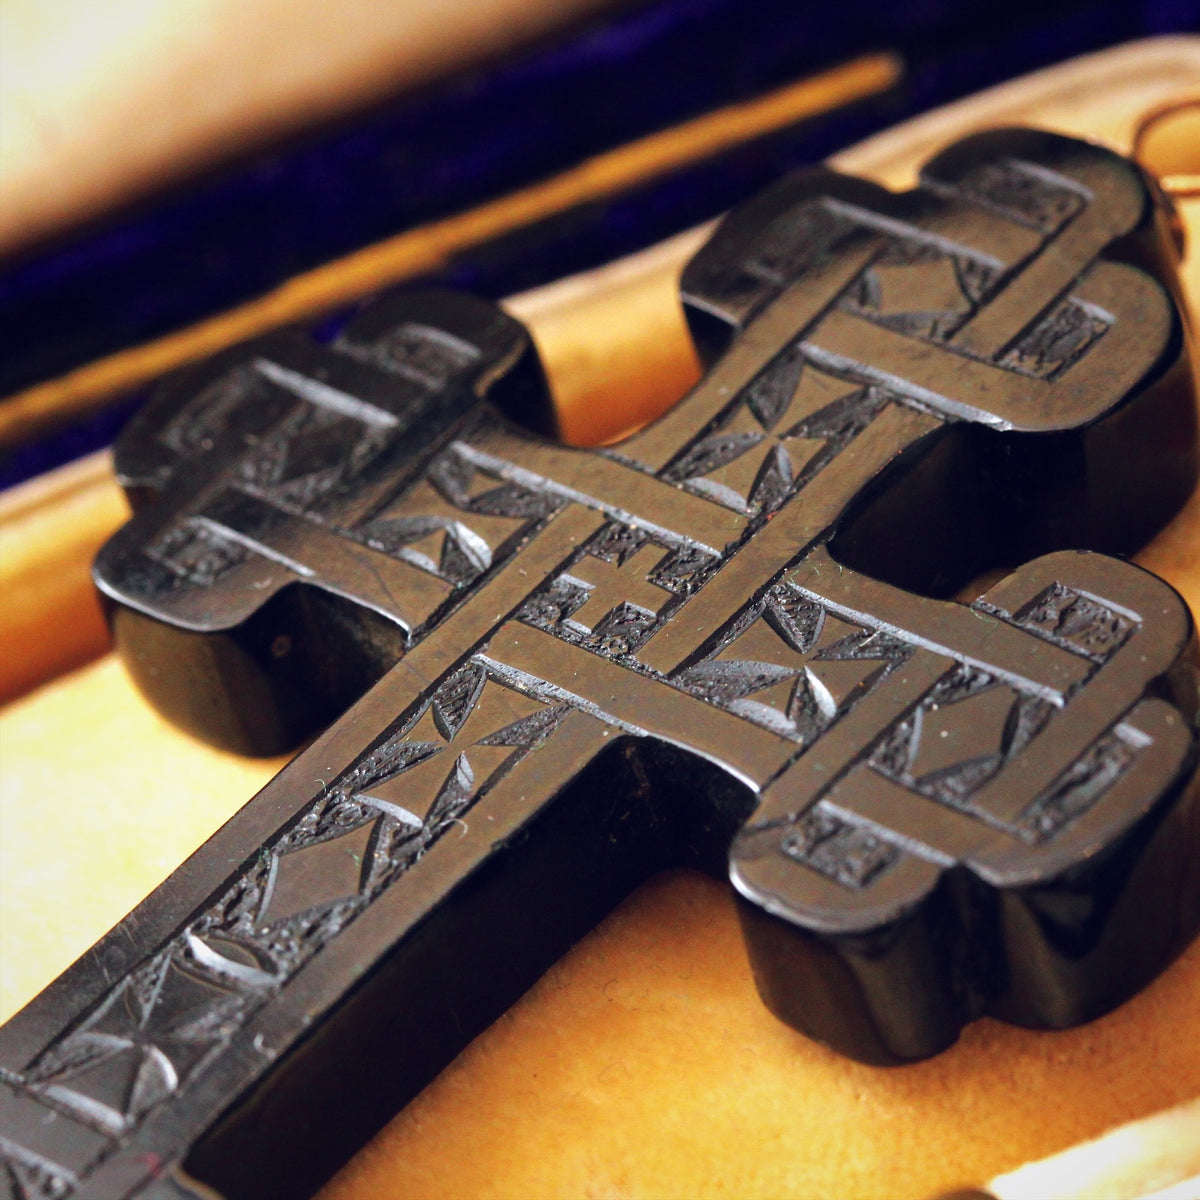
[[793, 666], [790, 420]]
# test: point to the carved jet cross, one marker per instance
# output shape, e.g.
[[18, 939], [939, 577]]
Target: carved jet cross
[[730, 630]]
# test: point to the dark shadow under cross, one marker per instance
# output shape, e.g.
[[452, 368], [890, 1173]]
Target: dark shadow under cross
[[724, 642]]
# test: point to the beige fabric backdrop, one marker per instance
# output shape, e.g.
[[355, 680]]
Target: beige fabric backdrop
[[103, 99]]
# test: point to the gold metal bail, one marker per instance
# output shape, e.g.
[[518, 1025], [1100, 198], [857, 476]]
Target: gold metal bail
[[1167, 143]]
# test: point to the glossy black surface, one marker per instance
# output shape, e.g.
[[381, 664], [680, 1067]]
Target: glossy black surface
[[724, 642]]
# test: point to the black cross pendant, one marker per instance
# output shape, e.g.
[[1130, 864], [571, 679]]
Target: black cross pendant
[[725, 642]]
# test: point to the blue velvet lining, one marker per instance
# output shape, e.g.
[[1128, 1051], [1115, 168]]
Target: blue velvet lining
[[225, 239]]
